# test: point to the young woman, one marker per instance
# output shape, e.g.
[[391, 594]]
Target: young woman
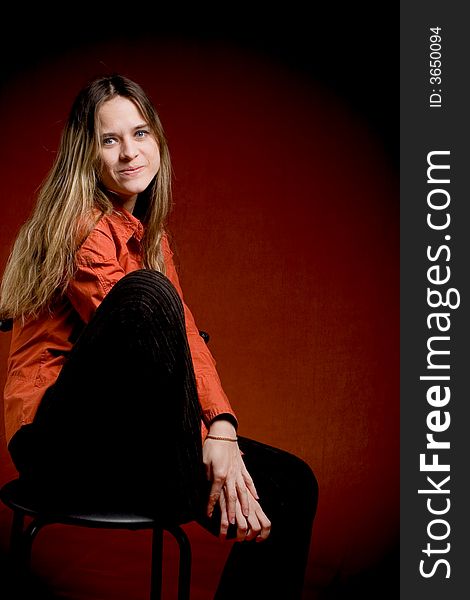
[[112, 395]]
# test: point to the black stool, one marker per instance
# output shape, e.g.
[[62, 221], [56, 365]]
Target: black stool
[[15, 496]]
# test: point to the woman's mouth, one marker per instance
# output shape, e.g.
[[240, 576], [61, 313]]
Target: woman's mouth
[[131, 171]]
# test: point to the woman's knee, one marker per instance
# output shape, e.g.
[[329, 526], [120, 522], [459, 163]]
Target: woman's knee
[[307, 476], [284, 466], [147, 289], [150, 281], [299, 488], [301, 474]]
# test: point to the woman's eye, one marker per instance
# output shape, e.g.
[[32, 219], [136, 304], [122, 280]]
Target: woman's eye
[[141, 133], [108, 141]]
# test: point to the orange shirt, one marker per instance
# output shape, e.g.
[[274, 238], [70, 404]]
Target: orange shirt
[[39, 346]]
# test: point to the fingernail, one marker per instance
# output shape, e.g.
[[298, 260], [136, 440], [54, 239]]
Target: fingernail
[[232, 521], [246, 513]]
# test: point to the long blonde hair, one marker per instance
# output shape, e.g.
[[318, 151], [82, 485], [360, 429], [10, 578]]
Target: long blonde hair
[[42, 260]]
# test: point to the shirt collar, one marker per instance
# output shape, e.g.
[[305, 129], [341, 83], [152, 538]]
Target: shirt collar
[[130, 225]]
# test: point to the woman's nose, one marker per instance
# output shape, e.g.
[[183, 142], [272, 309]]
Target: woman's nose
[[129, 149]]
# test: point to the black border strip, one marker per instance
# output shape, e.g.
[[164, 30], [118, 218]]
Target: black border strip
[[436, 260]]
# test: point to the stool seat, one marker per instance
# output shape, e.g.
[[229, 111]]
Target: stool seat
[[22, 501], [17, 497]]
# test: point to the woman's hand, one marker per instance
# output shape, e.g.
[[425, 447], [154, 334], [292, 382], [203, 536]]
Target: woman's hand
[[227, 472], [255, 526]]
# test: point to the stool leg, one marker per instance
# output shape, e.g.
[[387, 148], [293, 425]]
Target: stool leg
[[21, 541], [16, 535], [184, 573], [15, 557], [157, 564], [28, 538]]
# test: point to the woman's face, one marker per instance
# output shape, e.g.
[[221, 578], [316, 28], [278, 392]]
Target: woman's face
[[129, 152]]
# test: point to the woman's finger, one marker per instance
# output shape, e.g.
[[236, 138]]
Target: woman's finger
[[265, 525], [214, 494], [223, 517], [242, 494], [231, 498], [254, 526], [249, 481], [242, 524]]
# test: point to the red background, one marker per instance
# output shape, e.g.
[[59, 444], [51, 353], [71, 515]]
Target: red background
[[286, 230]]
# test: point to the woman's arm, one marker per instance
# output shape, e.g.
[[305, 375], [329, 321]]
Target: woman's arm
[[232, 485], [213, 400]]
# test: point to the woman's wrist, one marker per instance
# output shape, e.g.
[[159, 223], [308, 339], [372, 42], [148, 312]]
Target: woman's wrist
[[222, 427], [227, 417]]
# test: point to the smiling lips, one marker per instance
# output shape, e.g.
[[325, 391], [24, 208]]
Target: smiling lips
[[131, 170]]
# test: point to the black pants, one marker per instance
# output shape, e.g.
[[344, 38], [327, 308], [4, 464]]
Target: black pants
[[121, 425]]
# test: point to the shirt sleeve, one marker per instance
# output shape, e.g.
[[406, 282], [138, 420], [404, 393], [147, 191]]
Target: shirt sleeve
[[213, 400], [97, 270]]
